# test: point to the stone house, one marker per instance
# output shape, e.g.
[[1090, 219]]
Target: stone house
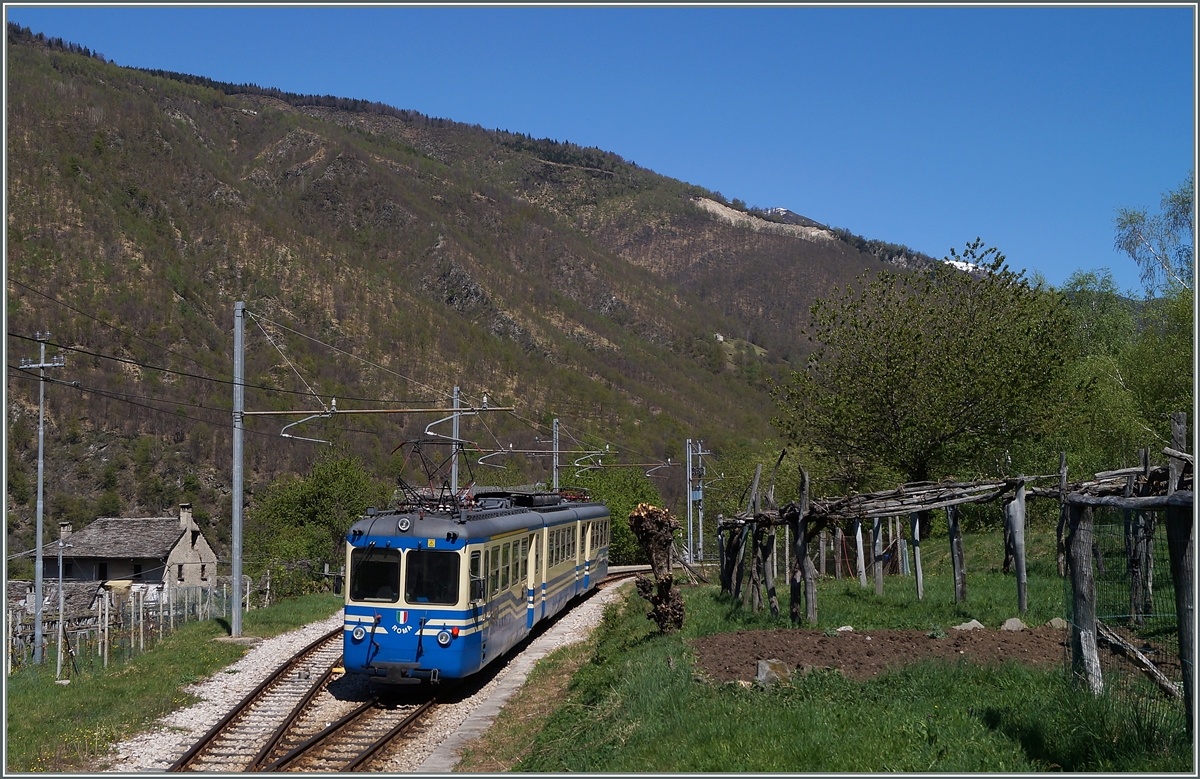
[[167, 550]]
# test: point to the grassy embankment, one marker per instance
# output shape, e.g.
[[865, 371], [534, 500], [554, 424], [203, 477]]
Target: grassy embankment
[[629, 700], [55, 727]]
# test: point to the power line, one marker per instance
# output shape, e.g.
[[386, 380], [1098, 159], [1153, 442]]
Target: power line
[[106, 324], [123, 398], [185, 374]]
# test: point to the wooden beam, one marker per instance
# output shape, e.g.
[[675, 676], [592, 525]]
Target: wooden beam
[[1169, 452], [1130, 651], [1180, 498]]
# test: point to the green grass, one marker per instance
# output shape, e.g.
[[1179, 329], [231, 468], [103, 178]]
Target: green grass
[[61, 727], [638, 705]]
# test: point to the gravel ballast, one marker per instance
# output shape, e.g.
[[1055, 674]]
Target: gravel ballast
[[434, 749]]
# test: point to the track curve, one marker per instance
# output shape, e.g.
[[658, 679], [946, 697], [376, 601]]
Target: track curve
[[238, 740]]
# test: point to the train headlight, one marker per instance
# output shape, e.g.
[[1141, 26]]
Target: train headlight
[[404, 524], [443, 638], [358, 633]]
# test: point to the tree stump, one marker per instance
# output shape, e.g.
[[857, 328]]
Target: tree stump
[[655, 530]]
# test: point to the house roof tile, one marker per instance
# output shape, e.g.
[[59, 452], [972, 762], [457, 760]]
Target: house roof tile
[[124, 537]]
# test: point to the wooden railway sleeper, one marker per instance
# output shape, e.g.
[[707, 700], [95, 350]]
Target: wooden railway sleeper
[[254, 695], [317, 738], [400, 727], [291, 718]]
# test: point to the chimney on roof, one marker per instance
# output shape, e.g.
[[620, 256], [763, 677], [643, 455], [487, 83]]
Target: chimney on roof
[[185, 516], [64, 529]]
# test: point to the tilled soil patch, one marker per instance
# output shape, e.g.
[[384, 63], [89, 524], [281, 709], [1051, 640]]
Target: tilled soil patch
[[860, 655]]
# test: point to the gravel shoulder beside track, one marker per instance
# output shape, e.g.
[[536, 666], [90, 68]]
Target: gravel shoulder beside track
[[156, 749]]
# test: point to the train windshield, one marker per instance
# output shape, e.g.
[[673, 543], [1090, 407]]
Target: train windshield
[[375, 575], [431, 577]]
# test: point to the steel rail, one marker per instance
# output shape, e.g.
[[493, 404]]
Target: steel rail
[[245, 703], [291, 718], [404, 725], [317, 738]]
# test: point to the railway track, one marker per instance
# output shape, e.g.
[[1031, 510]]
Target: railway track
[[350, 743], [280, 725], [244, 737]]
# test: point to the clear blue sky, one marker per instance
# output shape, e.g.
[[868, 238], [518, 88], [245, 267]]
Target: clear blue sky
[[1025, 126]]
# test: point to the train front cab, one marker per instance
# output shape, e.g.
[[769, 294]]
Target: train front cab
[[408, 613]]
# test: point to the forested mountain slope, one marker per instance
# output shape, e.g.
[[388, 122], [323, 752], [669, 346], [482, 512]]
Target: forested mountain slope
[[427, 253]]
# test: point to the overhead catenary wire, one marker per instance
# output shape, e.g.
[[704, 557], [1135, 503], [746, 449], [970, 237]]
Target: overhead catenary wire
[[363, 360], [537, 427], [289, 363], [122, 398]]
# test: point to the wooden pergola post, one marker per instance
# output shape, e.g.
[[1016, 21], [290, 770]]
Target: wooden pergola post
[[1014, 522], [956, 555], [858, 546], [1181, 547], [1085, 660], [1061, 550], [795, 575], [838, 546], [915, 518], [877, 546], [769, 557]]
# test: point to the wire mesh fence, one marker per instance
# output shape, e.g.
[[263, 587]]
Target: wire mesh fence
[[1137, 631]]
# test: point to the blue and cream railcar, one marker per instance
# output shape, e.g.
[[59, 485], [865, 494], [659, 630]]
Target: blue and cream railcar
[[440, 594]]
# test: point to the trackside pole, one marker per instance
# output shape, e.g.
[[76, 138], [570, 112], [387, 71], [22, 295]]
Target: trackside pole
[[239, 377]]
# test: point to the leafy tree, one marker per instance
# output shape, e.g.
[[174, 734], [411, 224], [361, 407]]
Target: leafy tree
[[1100, 427], [622, 489], [301, 522], [1104, 320], [1157, 367], [1161, 244], [926, 375]]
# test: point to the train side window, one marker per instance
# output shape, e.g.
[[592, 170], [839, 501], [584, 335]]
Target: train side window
[[476, 576], [504, 567], [494, 573], [524, 559], [553, 553]]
